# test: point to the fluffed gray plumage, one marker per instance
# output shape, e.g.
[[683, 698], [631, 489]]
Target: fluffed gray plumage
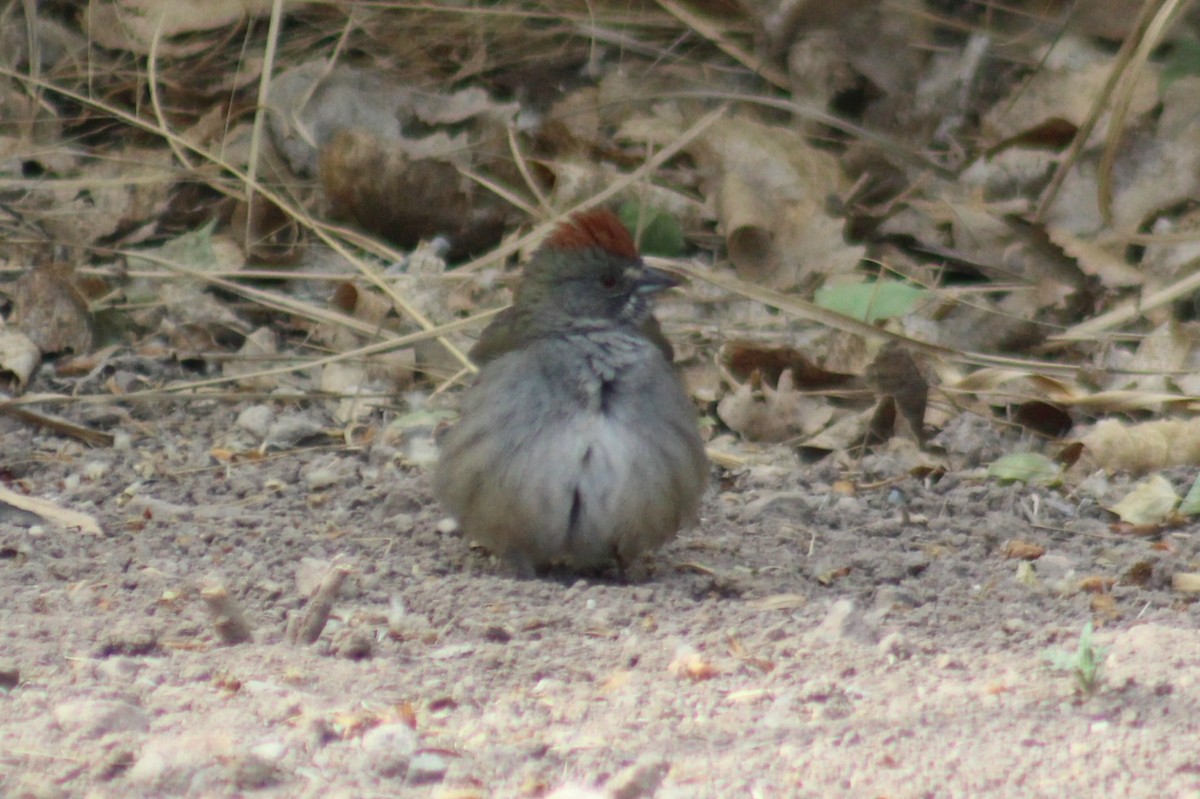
[[577, 445]]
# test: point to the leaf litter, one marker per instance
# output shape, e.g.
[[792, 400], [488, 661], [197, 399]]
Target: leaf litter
[[933, 250]]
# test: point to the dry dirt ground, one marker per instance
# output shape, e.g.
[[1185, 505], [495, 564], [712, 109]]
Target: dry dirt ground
[[805, 640]]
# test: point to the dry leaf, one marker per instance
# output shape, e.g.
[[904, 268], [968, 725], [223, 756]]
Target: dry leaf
[[896, 374], [85, 522], [1151, 502], [1107, 263], [1023, 550], [379, 186], [1161, 173], [135, 24], [1144, 447], [773, 414], [19, 357], [1064, 87], [51, 311], [1186, 582], [771, 189]]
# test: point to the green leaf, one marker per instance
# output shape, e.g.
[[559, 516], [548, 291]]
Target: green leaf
[[1183, 62], [1191, 503], [1025, 467], [1084, 662], [661, 232], [870, 302]]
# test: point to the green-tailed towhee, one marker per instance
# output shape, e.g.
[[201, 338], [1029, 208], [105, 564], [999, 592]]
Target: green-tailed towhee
[[577, 445]]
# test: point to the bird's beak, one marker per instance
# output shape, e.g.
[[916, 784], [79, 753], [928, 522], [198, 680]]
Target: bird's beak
[[648, 280]]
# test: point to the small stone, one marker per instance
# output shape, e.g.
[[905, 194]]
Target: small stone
[[10, 676], [352, 645], [127, 640], [173, 763], [639, 781], [892, 599], [290, 431], [447, 526], [320, 477], [113, 764], [895, 647], [271, 751], [249, 771], [309, 574], [845, 621], [94, 718], [787, 504], [427, 768], [120, 669], [576, 792], [1014, 626], [256, 420], [388, 749], [404, 522]]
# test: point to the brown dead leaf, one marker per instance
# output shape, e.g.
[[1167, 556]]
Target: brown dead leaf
[[1106, 263], [771, 188], [1144, 447], [267, 234], [1017, 549], [51, 311], [255, 352], [1168, 359], [135, 25], [378, 186], [773, 414], [746, 357], [1044, 418], [896, 374], [1096, 584], [1139, 573], [19, 357], [1163, 172], [1064, 87], [1105, 605]]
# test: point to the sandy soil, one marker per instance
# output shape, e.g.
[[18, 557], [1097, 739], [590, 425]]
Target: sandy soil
[[805, 640]]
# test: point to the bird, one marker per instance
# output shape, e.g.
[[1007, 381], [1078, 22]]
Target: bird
[[576, 446]]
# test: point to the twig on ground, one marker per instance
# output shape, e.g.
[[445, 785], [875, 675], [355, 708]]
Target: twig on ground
[[307, 629], [228, 620]]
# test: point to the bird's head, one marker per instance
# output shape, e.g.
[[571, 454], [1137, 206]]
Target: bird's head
[[589, 269]]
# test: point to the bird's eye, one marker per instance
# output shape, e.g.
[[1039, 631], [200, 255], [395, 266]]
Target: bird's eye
[[608, 281]]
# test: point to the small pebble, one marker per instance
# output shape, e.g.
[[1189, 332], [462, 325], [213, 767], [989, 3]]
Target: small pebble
[[289, 431], [388, 749], [894, 646], [256, 420], [120, 669], [94, 470], [94, 718], [845, 621], [320, 477], [426, 768]]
